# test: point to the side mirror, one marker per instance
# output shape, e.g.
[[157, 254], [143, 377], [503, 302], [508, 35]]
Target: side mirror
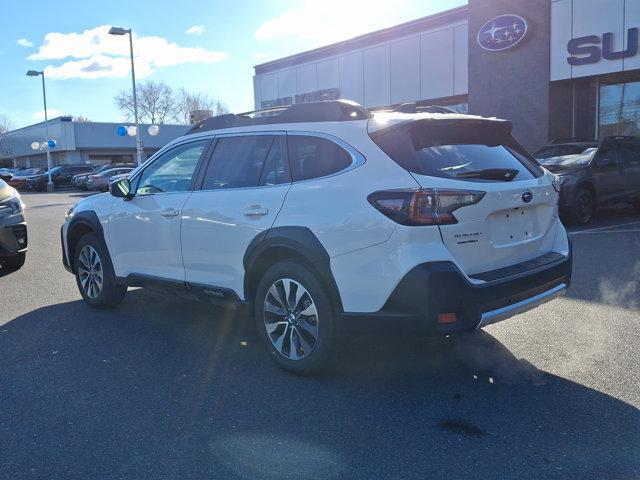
[[607, 162], [121, 188]]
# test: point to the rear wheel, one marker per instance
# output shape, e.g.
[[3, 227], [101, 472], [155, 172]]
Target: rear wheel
[[583, 207], [295, 318], [94, 274]]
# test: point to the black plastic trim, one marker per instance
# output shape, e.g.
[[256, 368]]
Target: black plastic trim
[[300, 240], [542, 261], [439, 287], [217, 295], [90, 220]]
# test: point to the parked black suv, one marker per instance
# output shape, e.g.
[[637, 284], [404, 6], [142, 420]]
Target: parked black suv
[[594, 174], [60, 176]]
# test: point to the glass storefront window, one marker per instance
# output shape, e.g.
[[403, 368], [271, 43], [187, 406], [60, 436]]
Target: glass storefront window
[[620, 109]]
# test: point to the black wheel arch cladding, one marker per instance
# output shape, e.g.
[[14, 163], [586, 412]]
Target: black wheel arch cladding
[[300, 240], [82, 222]]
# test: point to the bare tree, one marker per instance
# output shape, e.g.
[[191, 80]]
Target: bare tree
[[188, 102], [156, 103], [6, 124], [80, 119]]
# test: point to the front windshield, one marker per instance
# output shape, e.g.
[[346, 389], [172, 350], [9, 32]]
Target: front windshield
[[53, 170], [568, 159]]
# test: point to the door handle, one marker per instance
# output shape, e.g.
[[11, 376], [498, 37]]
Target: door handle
[[255, 211], [170, 212]]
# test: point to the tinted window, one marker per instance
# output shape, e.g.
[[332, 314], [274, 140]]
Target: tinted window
[[630, 156], [482, 153], [237, 162], [313, 157], [173, 170], [276, 168]]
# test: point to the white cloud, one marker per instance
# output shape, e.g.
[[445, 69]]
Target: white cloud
[[51, 112], [23, 42], [320, 23], [195, 30], [261, 56], [94, 53]]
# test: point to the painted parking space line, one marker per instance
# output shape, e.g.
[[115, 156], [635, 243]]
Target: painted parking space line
[[609, 227]]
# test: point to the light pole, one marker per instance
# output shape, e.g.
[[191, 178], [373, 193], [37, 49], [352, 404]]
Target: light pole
[[35, 73], [124, 31]]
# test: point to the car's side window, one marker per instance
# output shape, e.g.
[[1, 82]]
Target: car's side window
[[237, 161], [276, 168], [173, 170], [313, 157], [630, 156]]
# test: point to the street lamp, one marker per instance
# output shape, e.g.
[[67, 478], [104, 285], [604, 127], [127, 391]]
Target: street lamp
[[35, 73], [124, 31]]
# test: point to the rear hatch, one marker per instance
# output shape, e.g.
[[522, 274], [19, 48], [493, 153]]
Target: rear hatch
[[513, 220]]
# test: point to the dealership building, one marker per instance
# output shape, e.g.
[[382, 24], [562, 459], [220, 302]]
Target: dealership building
[[93, 143], [558, 69]]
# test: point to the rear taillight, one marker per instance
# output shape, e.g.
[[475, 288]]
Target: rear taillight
[[423, 206]]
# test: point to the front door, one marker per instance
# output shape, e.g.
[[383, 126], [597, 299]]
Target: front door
[[243, 189], [144, 232]]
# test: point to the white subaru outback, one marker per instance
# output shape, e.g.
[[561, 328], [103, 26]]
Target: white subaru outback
[[323, 216]]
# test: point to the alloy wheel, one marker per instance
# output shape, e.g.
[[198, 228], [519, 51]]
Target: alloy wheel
[[290, 319], [90, 271]]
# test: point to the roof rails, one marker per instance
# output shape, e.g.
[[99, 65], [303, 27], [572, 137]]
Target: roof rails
[[413, 107], [322, 111]]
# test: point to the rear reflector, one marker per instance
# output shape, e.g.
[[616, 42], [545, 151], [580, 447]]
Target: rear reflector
[[423, 206], [448, 317]]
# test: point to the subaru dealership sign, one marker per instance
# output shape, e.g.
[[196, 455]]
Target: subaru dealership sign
[[502, 32]]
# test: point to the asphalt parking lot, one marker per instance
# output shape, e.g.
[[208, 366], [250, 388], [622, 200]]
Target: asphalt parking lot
[[162, 388]]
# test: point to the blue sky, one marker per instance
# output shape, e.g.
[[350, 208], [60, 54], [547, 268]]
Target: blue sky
[[201, 45]]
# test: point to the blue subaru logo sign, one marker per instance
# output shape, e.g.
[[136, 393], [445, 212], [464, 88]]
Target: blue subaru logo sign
[[502, 32], [527, 196]]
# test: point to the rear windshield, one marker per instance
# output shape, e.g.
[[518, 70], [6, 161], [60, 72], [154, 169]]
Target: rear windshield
[[478, 153]]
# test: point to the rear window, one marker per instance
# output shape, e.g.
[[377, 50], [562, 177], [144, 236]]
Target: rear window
[[477, 152]]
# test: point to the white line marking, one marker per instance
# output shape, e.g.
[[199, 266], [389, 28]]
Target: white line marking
[[605, 228]]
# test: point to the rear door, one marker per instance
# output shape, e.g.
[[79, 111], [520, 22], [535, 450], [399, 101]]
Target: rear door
[[516, 217], [631, 169], [242, 189], [608, 173]]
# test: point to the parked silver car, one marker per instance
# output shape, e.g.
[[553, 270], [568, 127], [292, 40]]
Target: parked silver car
[[100, 181]]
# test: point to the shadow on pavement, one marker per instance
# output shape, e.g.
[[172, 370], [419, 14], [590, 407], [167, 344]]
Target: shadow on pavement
[[165, 388]]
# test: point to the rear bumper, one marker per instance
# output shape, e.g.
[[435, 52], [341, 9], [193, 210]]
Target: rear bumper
[[434, 288]]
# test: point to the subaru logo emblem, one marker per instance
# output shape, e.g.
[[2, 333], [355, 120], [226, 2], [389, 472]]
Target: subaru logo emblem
[[502, 32], [527, 196]]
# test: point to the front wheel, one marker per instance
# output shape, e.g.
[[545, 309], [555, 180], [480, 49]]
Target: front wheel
[[583, 208], [295, 318], [94, 274]]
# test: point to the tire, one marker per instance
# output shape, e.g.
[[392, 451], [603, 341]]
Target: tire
[[13, 263], [94, 274], [583, 208], [280, 322]]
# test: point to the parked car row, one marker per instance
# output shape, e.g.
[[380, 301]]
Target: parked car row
[[84, 177]]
